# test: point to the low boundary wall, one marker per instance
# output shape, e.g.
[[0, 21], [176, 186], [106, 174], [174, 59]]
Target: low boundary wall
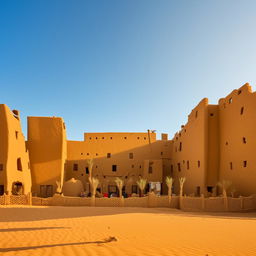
[[211, 204]]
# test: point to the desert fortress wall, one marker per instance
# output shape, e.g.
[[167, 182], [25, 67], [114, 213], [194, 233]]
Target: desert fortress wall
[[217, 143]]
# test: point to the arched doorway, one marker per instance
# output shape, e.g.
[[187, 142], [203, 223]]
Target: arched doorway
[[17, 188]]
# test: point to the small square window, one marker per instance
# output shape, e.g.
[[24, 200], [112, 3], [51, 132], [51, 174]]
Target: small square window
[[108, 155], [245, 163], [130, 155]]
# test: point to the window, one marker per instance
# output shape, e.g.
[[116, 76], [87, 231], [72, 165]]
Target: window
[[138, 138], [1, 167], [16, 134], [19, 165], [140, 166], [161, 153], [1, 190], [242, 110], [211, 114], [46, 190], [130, 155], [125, 138], [180, 147], [96, 154], [209, 189], [244, 140], [87, 154], [108, 155], [145, 138], [196, 114], [82, 154], [226, 143], [179, 169], [96, 138], [187, 165], [111, 138], [86, 170], [231, 165], [198, 163], [150, 169], [239, 92], [103, 138], [114, 168], [245, 163], [132, 165], [134, 189], [90, 138], [75, 167]]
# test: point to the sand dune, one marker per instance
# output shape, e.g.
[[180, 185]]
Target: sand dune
[[124, 231]]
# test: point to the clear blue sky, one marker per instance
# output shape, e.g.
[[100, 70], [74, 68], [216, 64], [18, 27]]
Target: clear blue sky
[[123, 65]]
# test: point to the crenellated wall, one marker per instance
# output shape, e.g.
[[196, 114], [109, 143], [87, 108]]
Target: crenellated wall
[[237, 114]]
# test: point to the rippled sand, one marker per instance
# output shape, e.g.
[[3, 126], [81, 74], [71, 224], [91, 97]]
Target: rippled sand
[[124, 231]]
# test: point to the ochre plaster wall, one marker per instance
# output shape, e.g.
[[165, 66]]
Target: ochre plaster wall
[[238, 126], [47, 151], [142, 146], [12, 147]]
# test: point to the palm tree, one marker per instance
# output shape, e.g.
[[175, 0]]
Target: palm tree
[[169, 183], [58, 189], [94, 182], [90, 166], [224, 184], [120, 183], [142, 184], [182, 181]]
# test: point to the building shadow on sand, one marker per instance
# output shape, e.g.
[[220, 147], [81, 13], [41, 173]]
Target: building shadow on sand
[[13, 249]]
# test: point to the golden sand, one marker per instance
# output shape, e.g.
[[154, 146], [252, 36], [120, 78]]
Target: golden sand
[[124, 231]]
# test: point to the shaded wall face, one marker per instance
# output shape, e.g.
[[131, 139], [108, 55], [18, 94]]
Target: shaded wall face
[[212, 173], [14, 156], [122, 155], [47, 148], [238, 140], [189, 151]]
